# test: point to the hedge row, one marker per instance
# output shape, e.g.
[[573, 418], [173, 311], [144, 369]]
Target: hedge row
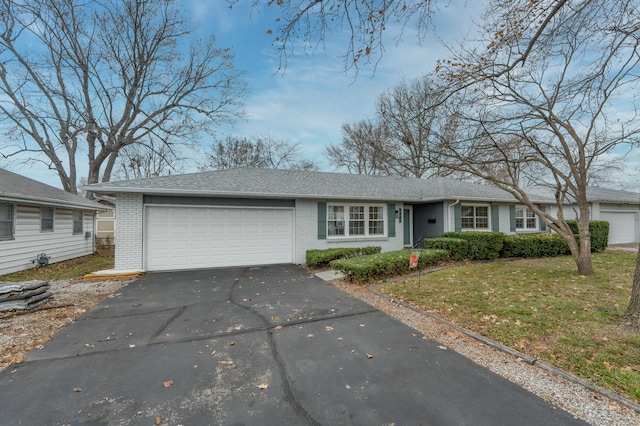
[[393, 263], [534, 245], [322, 258], [482, 245], [457, 247], [599, 230]]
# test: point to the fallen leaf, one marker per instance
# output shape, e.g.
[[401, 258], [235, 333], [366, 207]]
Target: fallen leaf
[[279, 327], [347, 387], [339, 339], [167, 383], [361, 325], [158, 420], [254, 394], [444, 348], [213, 353], [275, 318], [77, 389], [225, 362], [329, 328], [232, 343], [263, 386], [133, 345], [369, 356], [310, 335]]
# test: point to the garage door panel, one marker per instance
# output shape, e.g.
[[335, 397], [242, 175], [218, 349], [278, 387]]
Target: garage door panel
[[622, 226], [201, 237]]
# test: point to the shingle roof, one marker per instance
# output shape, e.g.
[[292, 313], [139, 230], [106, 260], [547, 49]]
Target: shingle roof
[[596, 194], [15, 187], [268, 183]]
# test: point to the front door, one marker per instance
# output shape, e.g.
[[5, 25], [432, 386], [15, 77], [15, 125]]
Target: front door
[[407, 225]]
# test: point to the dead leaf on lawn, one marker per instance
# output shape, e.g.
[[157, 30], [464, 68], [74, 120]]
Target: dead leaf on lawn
[[167, 383]]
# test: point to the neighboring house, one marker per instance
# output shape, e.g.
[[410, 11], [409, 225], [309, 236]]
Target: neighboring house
[[258, 216], [106, 222], [620, 208], [38, 221]]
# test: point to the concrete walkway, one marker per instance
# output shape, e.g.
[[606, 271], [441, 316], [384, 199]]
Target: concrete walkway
[[267, 346]]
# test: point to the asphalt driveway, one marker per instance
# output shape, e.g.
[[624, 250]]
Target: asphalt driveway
[[254, 346]]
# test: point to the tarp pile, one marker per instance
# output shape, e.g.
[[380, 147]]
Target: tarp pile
[[23, 296]]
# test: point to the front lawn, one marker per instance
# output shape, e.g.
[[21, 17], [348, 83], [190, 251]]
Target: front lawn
[[73, 268], [541, 307]]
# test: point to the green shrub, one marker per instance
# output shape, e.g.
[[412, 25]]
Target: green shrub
[[482, 245], [599, 230], [322, 258], [457, 247], [534, 245], [377, 266]]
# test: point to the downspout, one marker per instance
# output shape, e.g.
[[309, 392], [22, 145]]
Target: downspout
[[449, 215]]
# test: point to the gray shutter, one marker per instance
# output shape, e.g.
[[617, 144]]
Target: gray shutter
[[457, 217], [512, 218], [495, 218], [543, 226], [322, 221], [391, 219]]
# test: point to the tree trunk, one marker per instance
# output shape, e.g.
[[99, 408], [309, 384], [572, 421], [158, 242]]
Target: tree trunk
[[631, 317]]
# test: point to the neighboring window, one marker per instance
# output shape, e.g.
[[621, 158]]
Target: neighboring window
[[475, 217], [78, 219], [526, 219], [6, 221], [46, 219], [360, 220]]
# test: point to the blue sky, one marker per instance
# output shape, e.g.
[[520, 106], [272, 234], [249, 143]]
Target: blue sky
[[310, 101]]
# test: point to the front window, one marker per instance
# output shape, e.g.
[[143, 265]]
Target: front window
[[475, 217], [6, 221], [78, 217], [526, 219], [355, 220], [46, 219], [335, 221]]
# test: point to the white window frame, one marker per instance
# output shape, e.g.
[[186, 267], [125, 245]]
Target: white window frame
[[76, 222], [345, 219], [42, 219], [476, 217], [525, 218], [12, 221]]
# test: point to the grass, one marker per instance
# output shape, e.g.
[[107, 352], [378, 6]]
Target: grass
[[542, 308], [73, 268]]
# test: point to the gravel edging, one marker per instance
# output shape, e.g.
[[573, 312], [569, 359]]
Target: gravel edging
[[581, 398]]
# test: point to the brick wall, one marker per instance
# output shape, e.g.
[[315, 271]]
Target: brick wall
[[128, 233]]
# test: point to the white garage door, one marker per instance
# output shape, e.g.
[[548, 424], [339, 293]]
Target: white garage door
[[205, 237], [622, 226]]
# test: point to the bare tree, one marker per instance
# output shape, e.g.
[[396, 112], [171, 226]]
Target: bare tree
[[91, 78], [561, 105], [361, 149], [143, 161], [415, 121], [261, 152], [306, 24]]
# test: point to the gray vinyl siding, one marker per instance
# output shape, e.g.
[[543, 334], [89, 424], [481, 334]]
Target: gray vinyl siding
[[18, 254]]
